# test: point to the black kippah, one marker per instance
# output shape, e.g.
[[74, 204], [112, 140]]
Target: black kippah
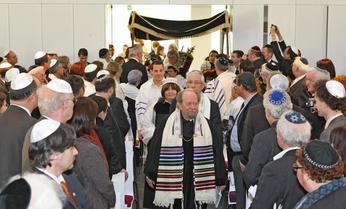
[[321, 155], [295, 117], [272, 66]]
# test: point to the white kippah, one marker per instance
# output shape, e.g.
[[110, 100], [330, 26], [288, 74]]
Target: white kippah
[[295, 50], [21, 81], [102, 73], [52, 62], [5, 53], [336, 89], [11, 74], [90, 68], [43, 129], [5, 65], [279, 81], [39, 54], [60, 86], [170, 80]]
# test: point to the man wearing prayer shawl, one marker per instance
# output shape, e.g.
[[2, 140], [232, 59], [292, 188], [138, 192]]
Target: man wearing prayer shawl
[[185, 163]]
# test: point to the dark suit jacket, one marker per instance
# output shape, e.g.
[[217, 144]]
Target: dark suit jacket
[[133, 65], [112, 126], [118, 110], [109, 145], [254, 123], [263, 149], [285, 65], [336, 122], [255, 100], [74, 185], [299, 93], [14, 124], [278, 184]]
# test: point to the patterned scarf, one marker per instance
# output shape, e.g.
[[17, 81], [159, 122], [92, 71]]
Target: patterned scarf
[[313, 197], [171, 163]]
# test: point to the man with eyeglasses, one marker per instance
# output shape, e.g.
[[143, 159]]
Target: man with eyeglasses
[[320, 171], [278, 187]]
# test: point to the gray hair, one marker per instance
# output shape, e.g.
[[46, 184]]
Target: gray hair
[[198, 72], [320, 74], [276, 110], [50, 101], [293, 134], [133, 50]]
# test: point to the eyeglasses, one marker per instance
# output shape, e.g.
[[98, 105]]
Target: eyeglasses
[[296, 167]]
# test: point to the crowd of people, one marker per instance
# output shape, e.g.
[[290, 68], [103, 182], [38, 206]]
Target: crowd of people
[[267, 125]]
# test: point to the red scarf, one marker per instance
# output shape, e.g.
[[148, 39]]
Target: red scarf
[[93, 138]]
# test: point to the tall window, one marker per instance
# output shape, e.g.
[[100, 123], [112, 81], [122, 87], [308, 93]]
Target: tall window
[[118, 16]]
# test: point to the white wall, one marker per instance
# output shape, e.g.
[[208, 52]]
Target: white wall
[[336, 37], [53, 26], [64, 26]]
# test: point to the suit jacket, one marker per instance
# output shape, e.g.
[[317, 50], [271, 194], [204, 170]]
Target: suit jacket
[[254, 123], [255, 100], [278, 184], [263, 149], [112, 126], [133, 65], [285, 65], [109, 145], [299, 93], [14, 124], [336, 122], [74, 185], [118, 110]]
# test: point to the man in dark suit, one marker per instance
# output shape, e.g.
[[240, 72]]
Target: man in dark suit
[[52, 152], [298, 90], [105, 89], [14, 124], [277, 184], [135, 60], [117, 107], [246, 88], [264, 146]]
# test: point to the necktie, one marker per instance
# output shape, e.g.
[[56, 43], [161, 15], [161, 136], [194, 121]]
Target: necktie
[[68, 193]]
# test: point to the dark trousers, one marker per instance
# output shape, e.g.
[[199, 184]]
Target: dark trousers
[[239, 183]]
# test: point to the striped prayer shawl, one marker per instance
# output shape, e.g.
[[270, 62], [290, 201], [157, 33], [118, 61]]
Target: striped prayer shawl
[[216, 93], [169, 183]]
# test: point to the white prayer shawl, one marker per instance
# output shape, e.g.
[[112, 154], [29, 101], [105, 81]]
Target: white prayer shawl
[[171, 162]]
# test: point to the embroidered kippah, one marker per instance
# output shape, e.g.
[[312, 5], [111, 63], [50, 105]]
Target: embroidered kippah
[[321, 155], [223, 60], [277, 97], [295, 117]]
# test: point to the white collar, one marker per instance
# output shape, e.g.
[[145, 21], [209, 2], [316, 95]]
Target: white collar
[[297, 79], [331, 119], [283, 152], [24, 108], [57, 179]]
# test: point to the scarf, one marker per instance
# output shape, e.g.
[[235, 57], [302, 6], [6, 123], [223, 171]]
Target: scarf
[[93, 138], [313, 197], [169, 182]]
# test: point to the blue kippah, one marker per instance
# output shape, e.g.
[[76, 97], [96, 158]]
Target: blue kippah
[[277, 97], [295, 117]]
